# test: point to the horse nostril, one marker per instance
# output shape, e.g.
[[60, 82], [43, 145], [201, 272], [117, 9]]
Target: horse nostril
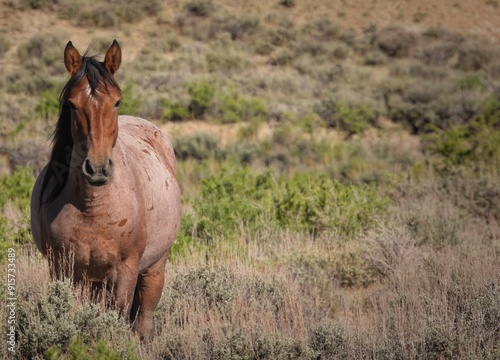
[[88, 169], [108, 168]]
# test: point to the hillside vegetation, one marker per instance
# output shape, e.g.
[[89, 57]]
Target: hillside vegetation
[[339, 163]]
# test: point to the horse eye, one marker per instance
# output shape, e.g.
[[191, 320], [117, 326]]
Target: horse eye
[[118, 103]]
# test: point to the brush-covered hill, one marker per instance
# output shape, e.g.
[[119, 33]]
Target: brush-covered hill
[[338, 162]]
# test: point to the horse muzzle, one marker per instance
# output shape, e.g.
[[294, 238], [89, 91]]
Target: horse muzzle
[[97, 175]]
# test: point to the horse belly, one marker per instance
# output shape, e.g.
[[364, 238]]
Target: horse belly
[[162, 205]]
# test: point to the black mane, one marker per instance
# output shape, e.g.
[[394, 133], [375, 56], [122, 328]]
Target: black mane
[[99, 79]]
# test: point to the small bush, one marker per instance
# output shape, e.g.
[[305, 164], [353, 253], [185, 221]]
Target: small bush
[[13, 235], [231, 199], [244, 152], [42, 50], [237, 27], [131, 104], [48, 326], [474, 56], [174, 111], [474, 81], [305, 203], [200, 146], [4, 45], [48, 105], [225, 60], [17, 188], [439, 54], [52, 323], [281, 57], [351, 118], [108, 14], [201, 8], [35, 4], [375, 58], [322, 29], [317, 204], [78, 350], [288, 3], [475, 143], [232, 107], [328, 341], [202, 95], [430, 105], [395, 41]]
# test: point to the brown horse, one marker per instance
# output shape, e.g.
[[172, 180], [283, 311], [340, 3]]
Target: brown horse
[[108, 198]]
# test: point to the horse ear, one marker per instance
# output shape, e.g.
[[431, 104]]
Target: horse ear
[[72, 58], [113, 57]]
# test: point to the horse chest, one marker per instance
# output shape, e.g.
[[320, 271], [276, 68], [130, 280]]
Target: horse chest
[[97, 243]]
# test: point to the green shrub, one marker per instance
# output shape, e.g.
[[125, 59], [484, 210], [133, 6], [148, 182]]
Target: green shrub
[[17, 188], [317, 203], [355, 119], [53, 323], [48, 105], [351, 118], [13, 235], [430, 105], [78, 350], [131, 104], [233, 107], [220, 288], [476, 143], [6, 235], [174, 111], [45, 323], [473, 81], [244, 152], [200, 146], [229, 200], [329, 341], [186, 241], [226, 59], [202, 95], [305, 203]]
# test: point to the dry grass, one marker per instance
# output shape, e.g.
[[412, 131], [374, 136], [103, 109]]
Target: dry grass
[[282, 298]]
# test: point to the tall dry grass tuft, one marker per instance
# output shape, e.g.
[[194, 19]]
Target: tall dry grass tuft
[[229, 312]]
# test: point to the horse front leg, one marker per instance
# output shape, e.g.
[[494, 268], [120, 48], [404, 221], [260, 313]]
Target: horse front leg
[[147, 295], [124, 287]]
